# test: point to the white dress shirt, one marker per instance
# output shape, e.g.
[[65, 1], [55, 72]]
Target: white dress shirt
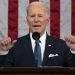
[[42, 44]]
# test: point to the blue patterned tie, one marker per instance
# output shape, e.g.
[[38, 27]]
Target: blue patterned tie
[[37, 53]]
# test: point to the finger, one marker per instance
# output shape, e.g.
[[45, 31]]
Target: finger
[[68, 44], [10, 45], [5, 41], [13, 42], [67, 38], [70, 39]]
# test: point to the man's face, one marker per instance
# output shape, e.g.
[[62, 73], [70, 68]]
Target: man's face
[[37, 18]]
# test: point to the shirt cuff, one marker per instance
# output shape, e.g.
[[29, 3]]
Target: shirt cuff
[[3, 52], [73, 52]]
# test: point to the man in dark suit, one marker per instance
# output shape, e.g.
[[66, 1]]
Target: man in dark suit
[[54, 52]]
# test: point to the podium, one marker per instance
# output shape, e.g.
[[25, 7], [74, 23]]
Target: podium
[[37, 71]]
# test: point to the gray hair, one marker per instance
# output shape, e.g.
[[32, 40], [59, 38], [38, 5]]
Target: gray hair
[[38, 2]]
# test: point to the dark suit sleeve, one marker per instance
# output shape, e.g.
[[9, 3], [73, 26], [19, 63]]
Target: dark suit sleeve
[[2, 59], [10, 58], [69, 59]]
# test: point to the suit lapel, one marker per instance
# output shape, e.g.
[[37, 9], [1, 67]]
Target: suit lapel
[[29, 48], [48, 49]]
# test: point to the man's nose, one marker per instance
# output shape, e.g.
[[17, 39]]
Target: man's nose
[[36, 19]]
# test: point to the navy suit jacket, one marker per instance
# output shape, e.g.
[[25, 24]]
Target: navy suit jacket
[[56, 54]]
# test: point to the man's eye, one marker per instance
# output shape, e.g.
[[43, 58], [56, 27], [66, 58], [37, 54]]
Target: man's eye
[[40, 16], [37, 16], [32, 15]]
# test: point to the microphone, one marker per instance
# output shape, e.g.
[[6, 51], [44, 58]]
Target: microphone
[[36, 35]]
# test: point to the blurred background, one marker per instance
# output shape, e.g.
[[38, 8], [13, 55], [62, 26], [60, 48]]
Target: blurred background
[[13, 18]]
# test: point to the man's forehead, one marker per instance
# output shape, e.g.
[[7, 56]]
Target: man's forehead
[[36, 7], [37, 3]]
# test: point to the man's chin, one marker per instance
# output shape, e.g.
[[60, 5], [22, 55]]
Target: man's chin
[[36, 31]]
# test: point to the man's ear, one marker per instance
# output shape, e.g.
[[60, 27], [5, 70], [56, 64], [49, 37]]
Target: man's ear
[[48, 19]]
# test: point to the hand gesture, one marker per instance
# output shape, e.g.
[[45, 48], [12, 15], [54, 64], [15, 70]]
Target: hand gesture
[[6, 44], [70, 41]]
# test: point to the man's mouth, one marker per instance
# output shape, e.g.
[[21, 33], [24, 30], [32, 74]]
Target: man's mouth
[[36, 25]]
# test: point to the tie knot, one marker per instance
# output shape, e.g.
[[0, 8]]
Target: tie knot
[[37, 41]]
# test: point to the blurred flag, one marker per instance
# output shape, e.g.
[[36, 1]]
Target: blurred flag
[[13, 18]]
